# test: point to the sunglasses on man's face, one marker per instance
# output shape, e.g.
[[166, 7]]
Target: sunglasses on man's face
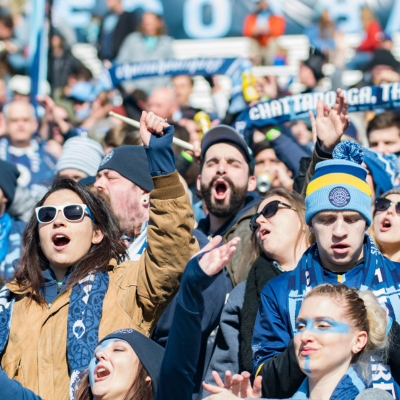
[[71, 212], [267, 212], [382, 204]]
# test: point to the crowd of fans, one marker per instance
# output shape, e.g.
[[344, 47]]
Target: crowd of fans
[[256, 266]]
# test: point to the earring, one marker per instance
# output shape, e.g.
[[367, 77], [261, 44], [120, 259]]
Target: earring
[[145, 200]]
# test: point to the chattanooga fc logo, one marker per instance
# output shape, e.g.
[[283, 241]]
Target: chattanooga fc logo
[[107, 157], [339, 197]]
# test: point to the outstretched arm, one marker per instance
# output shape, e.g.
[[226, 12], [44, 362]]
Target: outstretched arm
[[183, 347]]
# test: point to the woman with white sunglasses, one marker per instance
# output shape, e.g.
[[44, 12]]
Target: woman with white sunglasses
[[71, 289]]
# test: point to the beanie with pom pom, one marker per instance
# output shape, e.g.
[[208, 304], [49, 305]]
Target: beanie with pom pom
[[340, 184]]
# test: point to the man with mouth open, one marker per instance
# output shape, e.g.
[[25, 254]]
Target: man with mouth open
[[227, 182], [338, 214]]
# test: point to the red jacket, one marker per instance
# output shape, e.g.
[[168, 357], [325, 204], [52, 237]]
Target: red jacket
[[276, 25], [371, 42]]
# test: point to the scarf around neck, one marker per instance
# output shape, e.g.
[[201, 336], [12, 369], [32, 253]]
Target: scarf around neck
[[348, 388], [84, 315], [381, 276], [5, 229]]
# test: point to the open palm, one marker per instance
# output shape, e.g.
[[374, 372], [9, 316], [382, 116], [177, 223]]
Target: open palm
[[330, 123]]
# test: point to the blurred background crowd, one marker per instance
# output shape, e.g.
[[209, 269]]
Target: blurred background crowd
[[53, 55]]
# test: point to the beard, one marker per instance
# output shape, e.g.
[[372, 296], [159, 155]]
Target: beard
[[217, 207], [103, 196]]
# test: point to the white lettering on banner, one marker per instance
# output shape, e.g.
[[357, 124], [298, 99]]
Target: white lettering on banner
[[378, 273], [221, 20], [396, 91], [285, 103], [254, 113], [352, 96], [386, 91], [365, 96], [307, 102], [276, 108], [389, 387], [297, 105], [330, 98]]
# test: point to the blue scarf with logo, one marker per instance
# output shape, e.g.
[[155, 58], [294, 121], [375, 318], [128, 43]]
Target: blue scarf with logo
[[84, 315], [348, 388], [380, 276], [5, 229]]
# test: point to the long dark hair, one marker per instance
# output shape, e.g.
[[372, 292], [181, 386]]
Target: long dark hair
[[29, 272], [139, 390]]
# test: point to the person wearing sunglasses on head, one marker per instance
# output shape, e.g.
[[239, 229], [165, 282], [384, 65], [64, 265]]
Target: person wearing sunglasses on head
[[338, 212], [386, 224], [279, 238], [71, 287]]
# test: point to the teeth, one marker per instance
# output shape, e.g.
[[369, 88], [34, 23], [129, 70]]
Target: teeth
[[101, 370], [386, 223], [59, 236]]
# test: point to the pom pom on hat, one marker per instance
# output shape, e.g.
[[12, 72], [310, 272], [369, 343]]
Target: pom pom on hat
[[349, 151]]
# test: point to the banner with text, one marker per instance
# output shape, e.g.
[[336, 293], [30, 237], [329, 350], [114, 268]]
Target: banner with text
[[295, 107]]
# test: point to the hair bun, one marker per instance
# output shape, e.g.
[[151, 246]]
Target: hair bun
[[350, 151]]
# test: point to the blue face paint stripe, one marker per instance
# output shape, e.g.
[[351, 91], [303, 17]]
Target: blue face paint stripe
[[307, 364], [93, 362], [336, 327]]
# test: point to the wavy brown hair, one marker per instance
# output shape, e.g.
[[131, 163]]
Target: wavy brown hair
[[29, 274], [294, 199], [140, 389]]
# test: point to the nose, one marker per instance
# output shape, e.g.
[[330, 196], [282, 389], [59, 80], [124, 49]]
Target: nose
[[391, 209], [306, 336], [59, 220], [260, 220], [381, 148], [221, 169], [102, 354], [100, 183], [339, 229]]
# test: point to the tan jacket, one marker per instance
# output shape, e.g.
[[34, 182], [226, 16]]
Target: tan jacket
[[137, 295]]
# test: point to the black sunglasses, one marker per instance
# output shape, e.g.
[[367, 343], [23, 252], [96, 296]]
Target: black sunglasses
[[382, 204], [267, 212]]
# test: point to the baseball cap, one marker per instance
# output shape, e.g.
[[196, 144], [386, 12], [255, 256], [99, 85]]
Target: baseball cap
[[226, 134], [82, 91]]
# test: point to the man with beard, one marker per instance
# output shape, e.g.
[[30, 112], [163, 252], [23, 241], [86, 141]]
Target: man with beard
[[226, 182]]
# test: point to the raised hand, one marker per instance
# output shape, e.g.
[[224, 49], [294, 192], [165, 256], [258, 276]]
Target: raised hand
[[150, 124], [236, 386], [216, 259], [330, 123]]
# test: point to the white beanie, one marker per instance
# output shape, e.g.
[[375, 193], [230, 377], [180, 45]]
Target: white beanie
[[81, 153]]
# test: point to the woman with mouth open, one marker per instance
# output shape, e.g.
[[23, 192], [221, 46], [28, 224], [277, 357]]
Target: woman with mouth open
[[280, 237], [386, 224], [338, 330], [72, 287]]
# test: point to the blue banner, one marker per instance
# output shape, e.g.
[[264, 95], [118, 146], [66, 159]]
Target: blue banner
[[295, 107], [196, 66]]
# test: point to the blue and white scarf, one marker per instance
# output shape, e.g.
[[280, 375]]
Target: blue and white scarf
[[5, 229], [380, 276], [348, 388], [84, 315]]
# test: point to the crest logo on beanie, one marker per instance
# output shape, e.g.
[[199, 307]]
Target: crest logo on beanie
[[339, 196], [107, 158], [124, 331]]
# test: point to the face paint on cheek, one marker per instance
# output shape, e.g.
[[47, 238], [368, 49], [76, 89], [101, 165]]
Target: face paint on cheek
[[93, 363], [307, 364]]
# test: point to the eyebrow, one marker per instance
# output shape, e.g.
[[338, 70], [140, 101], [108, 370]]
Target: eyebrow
[[227, 158]]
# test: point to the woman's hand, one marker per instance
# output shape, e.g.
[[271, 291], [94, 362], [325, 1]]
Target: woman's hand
[[330, 123], [217, 257], [236, 386]]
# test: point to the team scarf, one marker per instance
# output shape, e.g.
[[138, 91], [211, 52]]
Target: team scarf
[[348, 388], [84, 314], [380, 276], [291, 108], [5, 229]]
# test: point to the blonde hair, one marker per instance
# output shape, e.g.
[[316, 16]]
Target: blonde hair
[[364, 312]]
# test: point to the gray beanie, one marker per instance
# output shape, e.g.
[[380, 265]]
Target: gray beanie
[[81, 153]]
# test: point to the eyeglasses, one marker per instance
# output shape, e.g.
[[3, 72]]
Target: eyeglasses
[[267, 212], [382, 204], [71, 212]]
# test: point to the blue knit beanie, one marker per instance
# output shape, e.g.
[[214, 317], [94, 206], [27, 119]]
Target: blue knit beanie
[[340, 184]]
